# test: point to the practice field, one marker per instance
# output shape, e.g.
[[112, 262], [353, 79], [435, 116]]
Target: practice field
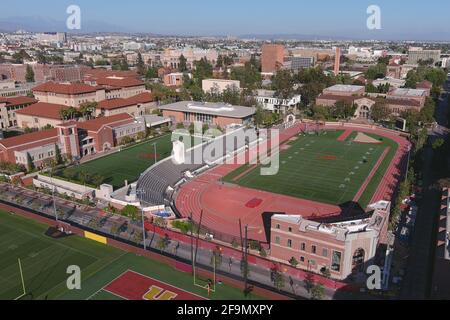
[[323, 169], [45, 260], [129, 163]]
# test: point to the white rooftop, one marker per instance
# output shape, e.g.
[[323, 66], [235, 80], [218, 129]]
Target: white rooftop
[[404, 92], [345, 88]]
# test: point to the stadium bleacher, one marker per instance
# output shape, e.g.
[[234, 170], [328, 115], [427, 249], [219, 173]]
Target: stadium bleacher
[[156, 183]]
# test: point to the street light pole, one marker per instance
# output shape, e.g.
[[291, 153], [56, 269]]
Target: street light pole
[[53, 195], [141, 192], [154, 151], [246, 258]]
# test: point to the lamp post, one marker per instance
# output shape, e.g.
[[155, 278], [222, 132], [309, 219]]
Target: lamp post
[[246, 228], [154, 152], [140, 192], [53, 195]]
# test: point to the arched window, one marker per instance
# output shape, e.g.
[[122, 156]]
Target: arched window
[[358, 261]]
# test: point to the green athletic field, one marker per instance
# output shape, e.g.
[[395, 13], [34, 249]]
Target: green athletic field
[[129, 163], [320, 168], [45, 260]]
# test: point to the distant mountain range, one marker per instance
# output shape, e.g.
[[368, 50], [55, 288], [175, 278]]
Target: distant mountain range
[[381, 35], [40, 24]]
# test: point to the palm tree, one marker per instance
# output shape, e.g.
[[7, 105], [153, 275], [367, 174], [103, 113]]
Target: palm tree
[[84, 177]]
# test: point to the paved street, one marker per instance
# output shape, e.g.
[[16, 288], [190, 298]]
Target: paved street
[[416, 284]]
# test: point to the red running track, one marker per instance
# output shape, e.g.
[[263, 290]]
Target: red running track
[[345, 135], [223, 205]]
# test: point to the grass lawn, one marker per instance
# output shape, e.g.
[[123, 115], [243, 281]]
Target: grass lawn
[[128, 164], [45, 260], [322, 169]]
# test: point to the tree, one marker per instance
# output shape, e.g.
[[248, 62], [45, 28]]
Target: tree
[[131, 212], [376, 72], [203, 70], [97, 180], [29, 75], [140, 65], [70, 174], [84, 177], [182, 66], [249, 76], [151, 73], [379, 111], [277, 278], [318, 292], [293, 262], [163, 243], [343, 110], [438, 143], [30, 163], [283, 83], [87, 109]]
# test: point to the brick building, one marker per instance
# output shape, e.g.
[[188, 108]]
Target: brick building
[[343, 248], [272, 57], [74, 139], [138, 105]]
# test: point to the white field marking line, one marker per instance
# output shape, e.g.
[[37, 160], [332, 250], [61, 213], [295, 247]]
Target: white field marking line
[[205, 287], [114, 294], [167, 284], [92, 273], [23, 281], [35, 262], [103, 288]]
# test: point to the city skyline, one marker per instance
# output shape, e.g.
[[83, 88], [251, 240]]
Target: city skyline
[[210, 18]]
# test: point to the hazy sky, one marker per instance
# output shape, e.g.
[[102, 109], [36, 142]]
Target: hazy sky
[[237, 17]]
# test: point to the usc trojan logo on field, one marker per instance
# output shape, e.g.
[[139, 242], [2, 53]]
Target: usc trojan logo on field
[[157, 293]]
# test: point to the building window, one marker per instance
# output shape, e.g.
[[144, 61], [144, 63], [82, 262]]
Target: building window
[[336, 261], [290, 229], [289, 243], [277, 240], [313, 249], [278, 226], [303, 246], [302, 259], [324, 252]]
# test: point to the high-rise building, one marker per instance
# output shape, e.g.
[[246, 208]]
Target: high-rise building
[[337, 61], [417, 54], [272, 58], [52, 37]]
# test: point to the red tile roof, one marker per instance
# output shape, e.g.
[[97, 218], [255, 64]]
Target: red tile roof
[[29, 138], [98, 123], [17, 101], [145, 97], [404, 102], [112, 104], [44, 110], [103, 73], [340, 98], [65, 88], [119, 82]]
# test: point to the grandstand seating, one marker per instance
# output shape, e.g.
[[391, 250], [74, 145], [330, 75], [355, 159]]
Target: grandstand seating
[[156, 180]]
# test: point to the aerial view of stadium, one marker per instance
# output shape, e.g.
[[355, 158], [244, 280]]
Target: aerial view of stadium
[[224, 157]]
